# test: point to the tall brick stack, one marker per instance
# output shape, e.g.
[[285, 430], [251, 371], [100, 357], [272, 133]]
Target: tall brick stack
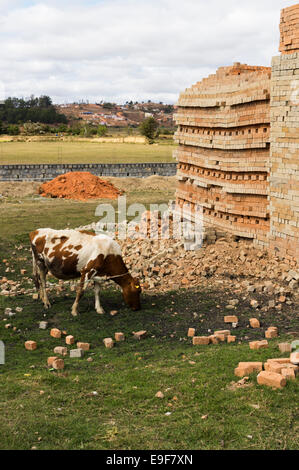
[[223, 135], [284, 155], [244, 175]]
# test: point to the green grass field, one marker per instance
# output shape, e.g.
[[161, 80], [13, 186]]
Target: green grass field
[[83, 152], [45, 409]]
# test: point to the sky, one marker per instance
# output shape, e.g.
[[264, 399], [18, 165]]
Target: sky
[[123, 50]]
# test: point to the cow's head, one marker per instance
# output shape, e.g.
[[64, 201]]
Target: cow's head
[[131, 293]]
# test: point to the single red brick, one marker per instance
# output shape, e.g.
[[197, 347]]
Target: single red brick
[[258, 344], [191, 332], [30, 345], [55, 333], [214, 339], [254, 323], [197, 340], [60, 350], [231, 319], [51, 359], [108, 342], [58, 364], [270, 333], [231, 339], [84, 346], [271, 379], [119, 336], [69, 339]]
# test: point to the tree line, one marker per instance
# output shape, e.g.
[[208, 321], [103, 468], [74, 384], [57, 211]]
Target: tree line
[[17, 111]]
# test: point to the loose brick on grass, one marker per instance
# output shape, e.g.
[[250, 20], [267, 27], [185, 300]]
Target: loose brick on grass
[[191, 332], [230, 319], [76, 353], [139, 334], [108, 342], [50, 360], [84, 346], [285, 347], [245, 368], [69, 339], [58, 364], [60, 350], [30, 345], [198, 340], [258, 344], [254, 323], [271, 379], [119, 336], [231, 339], [55, 333], [271, 333]]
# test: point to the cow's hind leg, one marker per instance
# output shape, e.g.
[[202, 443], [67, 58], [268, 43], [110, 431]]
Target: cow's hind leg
[[42, 274], [98, 307], [79, 293]]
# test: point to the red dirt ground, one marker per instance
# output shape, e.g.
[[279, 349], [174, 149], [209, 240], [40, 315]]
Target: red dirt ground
[[79, 185]]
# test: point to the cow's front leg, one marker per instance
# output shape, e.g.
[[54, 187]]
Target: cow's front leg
[[98, 306], [79, 293]]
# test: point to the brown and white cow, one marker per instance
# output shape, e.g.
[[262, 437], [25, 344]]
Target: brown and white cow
[[71, 254]]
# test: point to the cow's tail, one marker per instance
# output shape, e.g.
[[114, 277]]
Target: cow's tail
[[35, 272]]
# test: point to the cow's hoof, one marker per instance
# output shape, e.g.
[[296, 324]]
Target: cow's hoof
[[100, 311], [75, 314], [47, 305]]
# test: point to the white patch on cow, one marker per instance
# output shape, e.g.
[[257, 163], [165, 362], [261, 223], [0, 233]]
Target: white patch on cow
[[92, 246]]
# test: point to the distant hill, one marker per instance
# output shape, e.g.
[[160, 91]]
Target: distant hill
[[114, 115]]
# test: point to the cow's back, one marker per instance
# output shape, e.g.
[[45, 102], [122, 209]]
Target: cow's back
[[67, 252]]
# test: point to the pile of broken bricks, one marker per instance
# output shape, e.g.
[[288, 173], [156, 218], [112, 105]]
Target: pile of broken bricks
[[58, 363], [225, 335], [276, 371]]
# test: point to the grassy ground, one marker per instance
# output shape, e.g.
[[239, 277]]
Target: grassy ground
[[59, 410], [83, 152]]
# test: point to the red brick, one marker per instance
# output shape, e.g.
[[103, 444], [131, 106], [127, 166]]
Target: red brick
[[245, 368], [58, 364], [271, 379], [84, 346], [198, 340], [108, 342], [254, 323], [258, 344], [60, 350], [231, 339], [69, 339], [231, 319], [191, 332], [55, 333], [51, 359], [30, 345], [119, 336]]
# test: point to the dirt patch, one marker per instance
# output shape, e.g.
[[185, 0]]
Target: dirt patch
[[18, 189], [79, 185], [151, 183]]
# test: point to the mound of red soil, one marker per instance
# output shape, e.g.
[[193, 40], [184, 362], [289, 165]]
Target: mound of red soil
[[79, 185]]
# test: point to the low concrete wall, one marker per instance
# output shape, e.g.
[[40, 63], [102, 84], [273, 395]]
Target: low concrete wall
[[47, 172]]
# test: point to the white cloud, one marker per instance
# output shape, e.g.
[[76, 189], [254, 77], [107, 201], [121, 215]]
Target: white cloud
[[129, 49]]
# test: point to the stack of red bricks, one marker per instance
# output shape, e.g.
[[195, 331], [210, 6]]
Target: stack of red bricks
[[223, 135], [284, 155], [289, 30]]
